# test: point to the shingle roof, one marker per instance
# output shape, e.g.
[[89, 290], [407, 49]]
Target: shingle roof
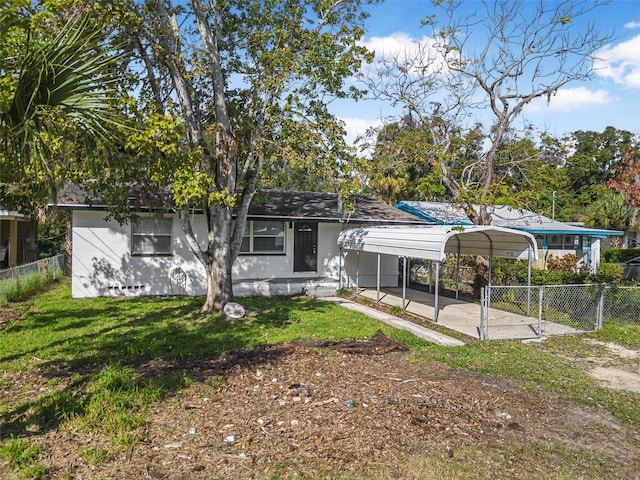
[[325, 207], [281, 204]]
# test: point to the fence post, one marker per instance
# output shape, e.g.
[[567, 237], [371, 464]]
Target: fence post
[[485, 295], [600, 307]]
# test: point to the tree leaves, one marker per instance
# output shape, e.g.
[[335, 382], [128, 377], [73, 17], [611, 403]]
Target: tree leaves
[[57, 99]]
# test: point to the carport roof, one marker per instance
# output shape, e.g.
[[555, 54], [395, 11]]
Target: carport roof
[[434, 242]]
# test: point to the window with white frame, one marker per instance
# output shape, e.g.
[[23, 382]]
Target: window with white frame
[[151, 236], [263, 237]]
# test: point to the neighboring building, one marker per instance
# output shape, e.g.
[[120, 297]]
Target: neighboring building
[[15, 239], [289, 247], [554, 238]]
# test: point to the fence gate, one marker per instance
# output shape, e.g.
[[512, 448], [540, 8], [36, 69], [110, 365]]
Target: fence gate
[[541, 310]]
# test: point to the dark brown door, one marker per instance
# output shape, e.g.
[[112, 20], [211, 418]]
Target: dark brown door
[[305, 247]]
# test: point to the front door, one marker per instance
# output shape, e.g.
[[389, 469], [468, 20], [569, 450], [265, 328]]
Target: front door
[[305, 247]]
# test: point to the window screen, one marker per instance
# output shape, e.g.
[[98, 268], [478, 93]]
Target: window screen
[[151, 236]]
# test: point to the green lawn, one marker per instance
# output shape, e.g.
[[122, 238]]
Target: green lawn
[[59, 330], [98, 343]]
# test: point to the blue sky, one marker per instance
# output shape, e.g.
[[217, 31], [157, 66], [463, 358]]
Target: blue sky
[[610, 98]]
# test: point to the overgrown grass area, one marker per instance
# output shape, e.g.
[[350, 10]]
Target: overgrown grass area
[[90, 350], [16, 289]]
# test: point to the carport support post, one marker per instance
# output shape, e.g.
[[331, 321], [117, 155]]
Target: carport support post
[[458, 270], [340, 268], [378, 280], [529, 282], [490, 264], [435, 303], [404, 283], [358, 271]]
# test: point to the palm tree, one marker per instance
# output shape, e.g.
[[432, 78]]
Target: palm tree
[[607, 211], [60, 89], [57, 101]]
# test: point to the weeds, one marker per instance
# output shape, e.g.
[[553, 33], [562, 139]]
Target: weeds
[[116, 404], [216, 383], [23, 457], [95, 455], [14, 290]]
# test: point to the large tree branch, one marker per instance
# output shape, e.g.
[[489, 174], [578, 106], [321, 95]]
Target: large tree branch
[[226, 143]]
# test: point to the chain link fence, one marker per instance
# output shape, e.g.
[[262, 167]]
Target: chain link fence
[[545, 310], [52, 265], [12, 279], [621, 304], [541, 310]]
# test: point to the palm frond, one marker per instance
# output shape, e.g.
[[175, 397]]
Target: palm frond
[[70, 73]]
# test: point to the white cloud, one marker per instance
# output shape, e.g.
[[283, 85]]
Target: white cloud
[[621, 63], [569, 99], [417, 54], [358, 126], [397, 43], [632, 25]]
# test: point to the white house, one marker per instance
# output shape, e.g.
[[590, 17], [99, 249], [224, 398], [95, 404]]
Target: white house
[[290, 247], [553, 238]]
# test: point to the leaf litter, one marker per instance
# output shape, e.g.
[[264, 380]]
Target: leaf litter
[[314, 409]]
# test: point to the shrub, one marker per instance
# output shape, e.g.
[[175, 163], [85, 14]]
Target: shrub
[[619, 255], [610, 273], [566, 263]]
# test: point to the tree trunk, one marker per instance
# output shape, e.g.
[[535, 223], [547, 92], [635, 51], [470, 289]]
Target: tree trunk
[[219, 264], [219, 286], [481, 275]]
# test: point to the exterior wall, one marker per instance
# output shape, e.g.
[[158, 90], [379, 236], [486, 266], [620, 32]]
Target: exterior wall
[[257, 267], [588, 256], [102, 263]]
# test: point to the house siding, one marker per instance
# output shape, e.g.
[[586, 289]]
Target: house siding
[[102, 263]]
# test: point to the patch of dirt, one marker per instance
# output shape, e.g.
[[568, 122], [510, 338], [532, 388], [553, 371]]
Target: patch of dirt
[[617, 378], [8, 314], [608, 371], [615, 349], [324, 410]]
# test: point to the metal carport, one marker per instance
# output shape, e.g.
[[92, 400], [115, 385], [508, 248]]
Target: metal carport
[[435, 242]]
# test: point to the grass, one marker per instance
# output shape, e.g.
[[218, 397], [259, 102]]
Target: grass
[[544, 368], [13, 290], [59, 330], [503, 461], [103, 340], [626, 334], [23, 456]]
